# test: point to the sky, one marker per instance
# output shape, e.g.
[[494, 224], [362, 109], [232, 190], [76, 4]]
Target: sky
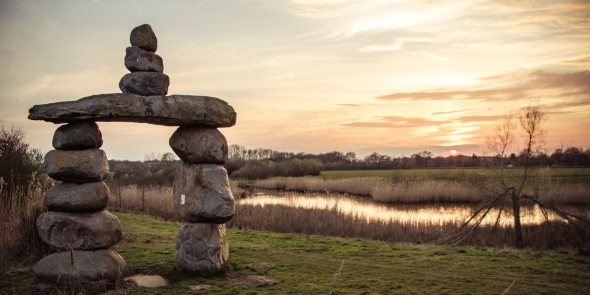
[[394, 77]]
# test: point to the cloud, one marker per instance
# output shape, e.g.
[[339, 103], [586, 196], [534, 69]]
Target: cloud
[[530, 15], [322, 8], [517, 85], [481, 118], [312, 12], [452, 112], [351, 105], [396, 44], [573, 80], [491, 95], [573, 103], [396, 122], [584, 61]]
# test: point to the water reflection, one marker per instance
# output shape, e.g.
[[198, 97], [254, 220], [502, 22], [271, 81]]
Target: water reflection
[[414, 215]]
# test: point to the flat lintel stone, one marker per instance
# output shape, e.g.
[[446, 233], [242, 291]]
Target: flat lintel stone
[[171, 110]]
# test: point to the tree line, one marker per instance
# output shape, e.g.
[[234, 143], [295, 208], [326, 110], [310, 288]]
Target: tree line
[[263, 163], [244, 163]]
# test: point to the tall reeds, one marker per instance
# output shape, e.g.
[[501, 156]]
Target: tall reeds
[[155, 201], [417, 190], [20, 206], [331, 222]]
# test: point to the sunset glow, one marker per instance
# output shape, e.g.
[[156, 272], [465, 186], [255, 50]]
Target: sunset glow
[[394, 77]]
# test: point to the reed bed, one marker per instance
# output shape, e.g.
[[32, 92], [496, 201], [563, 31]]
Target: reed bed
[[418, 190], [330, 222], [378, 188], [566, 194], [19, 241], [154, 201]]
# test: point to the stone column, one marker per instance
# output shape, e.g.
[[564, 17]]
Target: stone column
[[76, 224], [147, 68], [202, 198]]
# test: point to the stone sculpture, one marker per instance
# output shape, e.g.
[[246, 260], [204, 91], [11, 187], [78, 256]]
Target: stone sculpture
[[77, 224]]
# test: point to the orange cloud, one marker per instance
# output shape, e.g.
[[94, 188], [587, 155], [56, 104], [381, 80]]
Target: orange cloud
[[569, 84], [396, 122]]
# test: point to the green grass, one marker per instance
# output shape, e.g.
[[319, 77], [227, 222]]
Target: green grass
[[307, 264], [559, 175]]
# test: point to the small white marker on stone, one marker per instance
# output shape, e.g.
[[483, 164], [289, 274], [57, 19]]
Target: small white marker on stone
[[182, 199]]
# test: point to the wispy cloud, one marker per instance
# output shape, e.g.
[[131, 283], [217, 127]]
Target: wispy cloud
[[351, 105], [584, 61], [452, 112], [480, 118], [519, 86], [312, 12], [494, 95], [396, 44], [395, 122]]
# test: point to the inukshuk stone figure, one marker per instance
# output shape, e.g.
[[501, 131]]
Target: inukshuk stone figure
[[77, 224]]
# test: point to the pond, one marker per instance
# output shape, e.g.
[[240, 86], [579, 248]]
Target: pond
[[410, 214]]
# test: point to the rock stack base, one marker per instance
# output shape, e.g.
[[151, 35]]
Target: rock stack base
[[201, 247]]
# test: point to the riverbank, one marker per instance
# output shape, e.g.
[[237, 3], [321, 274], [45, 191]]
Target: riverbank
[[307, 264]]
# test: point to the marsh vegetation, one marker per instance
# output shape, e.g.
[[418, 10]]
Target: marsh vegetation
[[345, 215]]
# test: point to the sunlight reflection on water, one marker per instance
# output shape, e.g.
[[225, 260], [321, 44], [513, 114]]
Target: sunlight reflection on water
[[365, 208]]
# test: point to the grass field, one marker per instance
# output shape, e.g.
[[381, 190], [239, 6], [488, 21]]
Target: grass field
[[557, 175], [316, 265]]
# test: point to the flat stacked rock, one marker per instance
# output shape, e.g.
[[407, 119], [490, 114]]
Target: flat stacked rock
[[147, 68], [77, 223], [202, 198]]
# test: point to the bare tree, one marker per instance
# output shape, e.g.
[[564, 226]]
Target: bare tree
[[507, 188]]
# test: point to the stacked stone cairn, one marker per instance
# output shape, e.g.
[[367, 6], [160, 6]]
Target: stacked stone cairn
[[146, 67], [202, 198], [77, 224]]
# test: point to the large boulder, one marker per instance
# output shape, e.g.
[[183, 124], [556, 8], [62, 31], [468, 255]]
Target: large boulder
[[79, 231], [198, 145], [173, 110], [79, 271], [145, 83], [74, 197], [201, 193], [201, 247], [77, 136], [137, 60], [77, 166], [144, 37]]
